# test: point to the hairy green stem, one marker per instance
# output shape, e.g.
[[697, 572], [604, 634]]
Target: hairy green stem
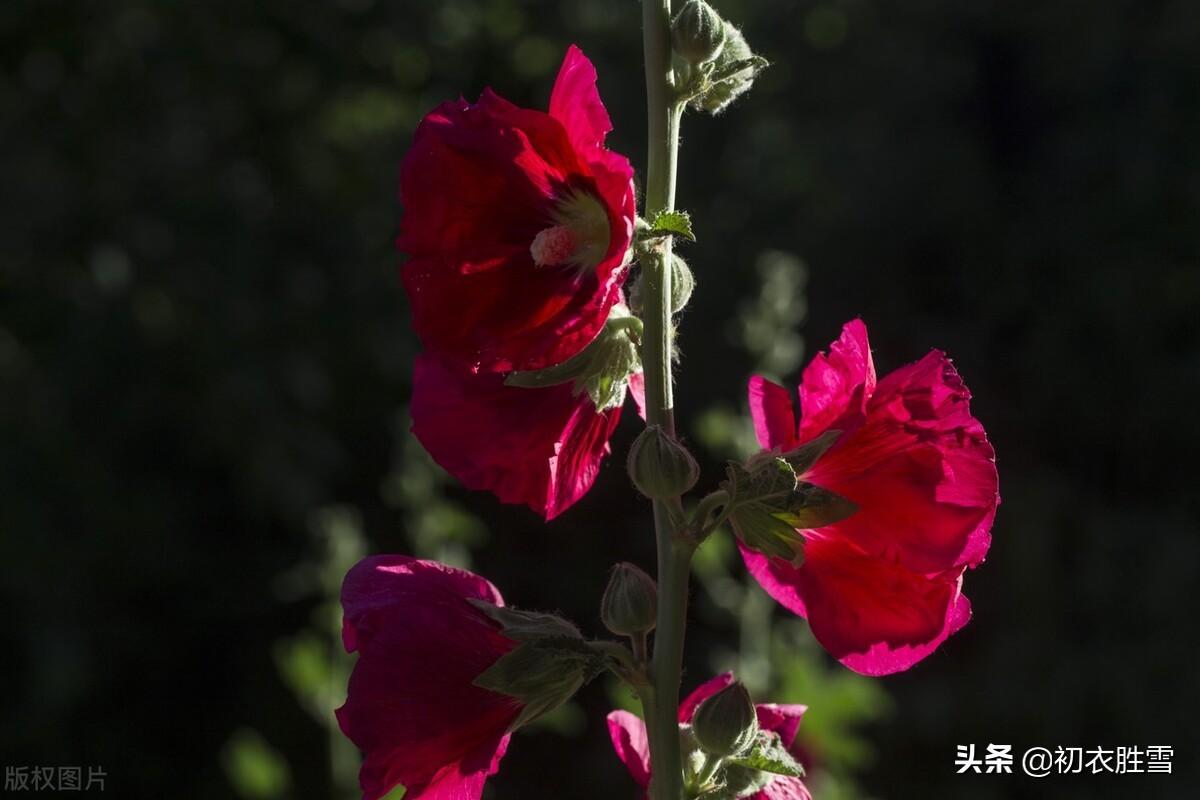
[[674, 550]]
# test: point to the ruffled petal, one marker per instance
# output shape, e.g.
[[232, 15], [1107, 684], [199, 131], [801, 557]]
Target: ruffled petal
[[575, 102], [835, 387], [702, 693], [874, 616], [539, 447], [628, 734], [773, 415], [920, 470]]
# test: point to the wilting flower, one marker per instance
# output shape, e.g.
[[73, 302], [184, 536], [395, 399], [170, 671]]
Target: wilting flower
[[541, 447], [881, 588], [412, 707], [518, 224], [629, 739]]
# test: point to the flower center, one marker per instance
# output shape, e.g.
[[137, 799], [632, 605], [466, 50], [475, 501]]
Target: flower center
[[552, 246], [579, 237]]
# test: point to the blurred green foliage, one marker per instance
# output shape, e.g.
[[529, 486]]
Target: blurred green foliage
[[204, 352]]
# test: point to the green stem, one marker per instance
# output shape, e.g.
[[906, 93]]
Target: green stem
[[674, 549]]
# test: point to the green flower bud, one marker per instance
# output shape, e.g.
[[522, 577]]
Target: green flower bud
[[630, 603], [682, 284], [660, 466], [726, 724], [732, 74], [697, 32]]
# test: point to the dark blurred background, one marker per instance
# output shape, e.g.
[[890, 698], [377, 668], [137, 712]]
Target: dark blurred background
[[205, 356]]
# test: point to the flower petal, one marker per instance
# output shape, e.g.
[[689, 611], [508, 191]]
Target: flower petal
[[773, 415], [783, 788], [874, 616], [835, 387], [920, 470], [628, 734], [575, 102], [782, 719], [540, 447]]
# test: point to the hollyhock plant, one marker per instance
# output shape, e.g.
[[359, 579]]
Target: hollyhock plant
[[517, 224], [412, 706], [631, 743], [881, 588], [539, 447], [521, 229]]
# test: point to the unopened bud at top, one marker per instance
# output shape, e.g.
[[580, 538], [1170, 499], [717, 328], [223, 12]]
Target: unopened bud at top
[[726, 724], [630, 603], [697, 32], [660, 466]]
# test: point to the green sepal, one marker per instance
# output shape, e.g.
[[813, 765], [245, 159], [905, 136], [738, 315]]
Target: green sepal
[[805, 456], [814, 507], [769, 755], [602, 369], [542, 674], [769, 505], [526, 626]]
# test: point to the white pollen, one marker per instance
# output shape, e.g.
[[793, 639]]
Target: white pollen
[[552, 246]]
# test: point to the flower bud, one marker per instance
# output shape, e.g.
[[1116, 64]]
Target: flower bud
[[733, 72], [682, 284], [726, 724], [630, 603], [697, 32], [660, 466]]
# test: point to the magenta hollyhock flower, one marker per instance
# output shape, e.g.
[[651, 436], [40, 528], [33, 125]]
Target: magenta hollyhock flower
[[629, 738], [882, 589], [539, 447], [517, 224], [412, 707]]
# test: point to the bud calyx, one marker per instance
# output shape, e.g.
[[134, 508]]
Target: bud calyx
[[630, 603], [659, 466], [726, 724]]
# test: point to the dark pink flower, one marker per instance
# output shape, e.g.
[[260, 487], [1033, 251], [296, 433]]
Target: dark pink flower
[[629, 738], [412, 707], [517, 224], [540, 447], [882, 588]]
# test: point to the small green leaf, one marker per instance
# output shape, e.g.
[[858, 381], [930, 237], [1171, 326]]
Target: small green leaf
[[769, 755], [676, 223]]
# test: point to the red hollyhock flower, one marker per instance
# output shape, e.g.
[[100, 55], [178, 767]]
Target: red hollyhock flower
[[882, 588], [517, 224], [540, 447], [629, 739], [412, 707]]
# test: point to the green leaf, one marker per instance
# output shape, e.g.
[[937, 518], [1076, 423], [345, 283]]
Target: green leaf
[[673, 223], [769, 755]]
